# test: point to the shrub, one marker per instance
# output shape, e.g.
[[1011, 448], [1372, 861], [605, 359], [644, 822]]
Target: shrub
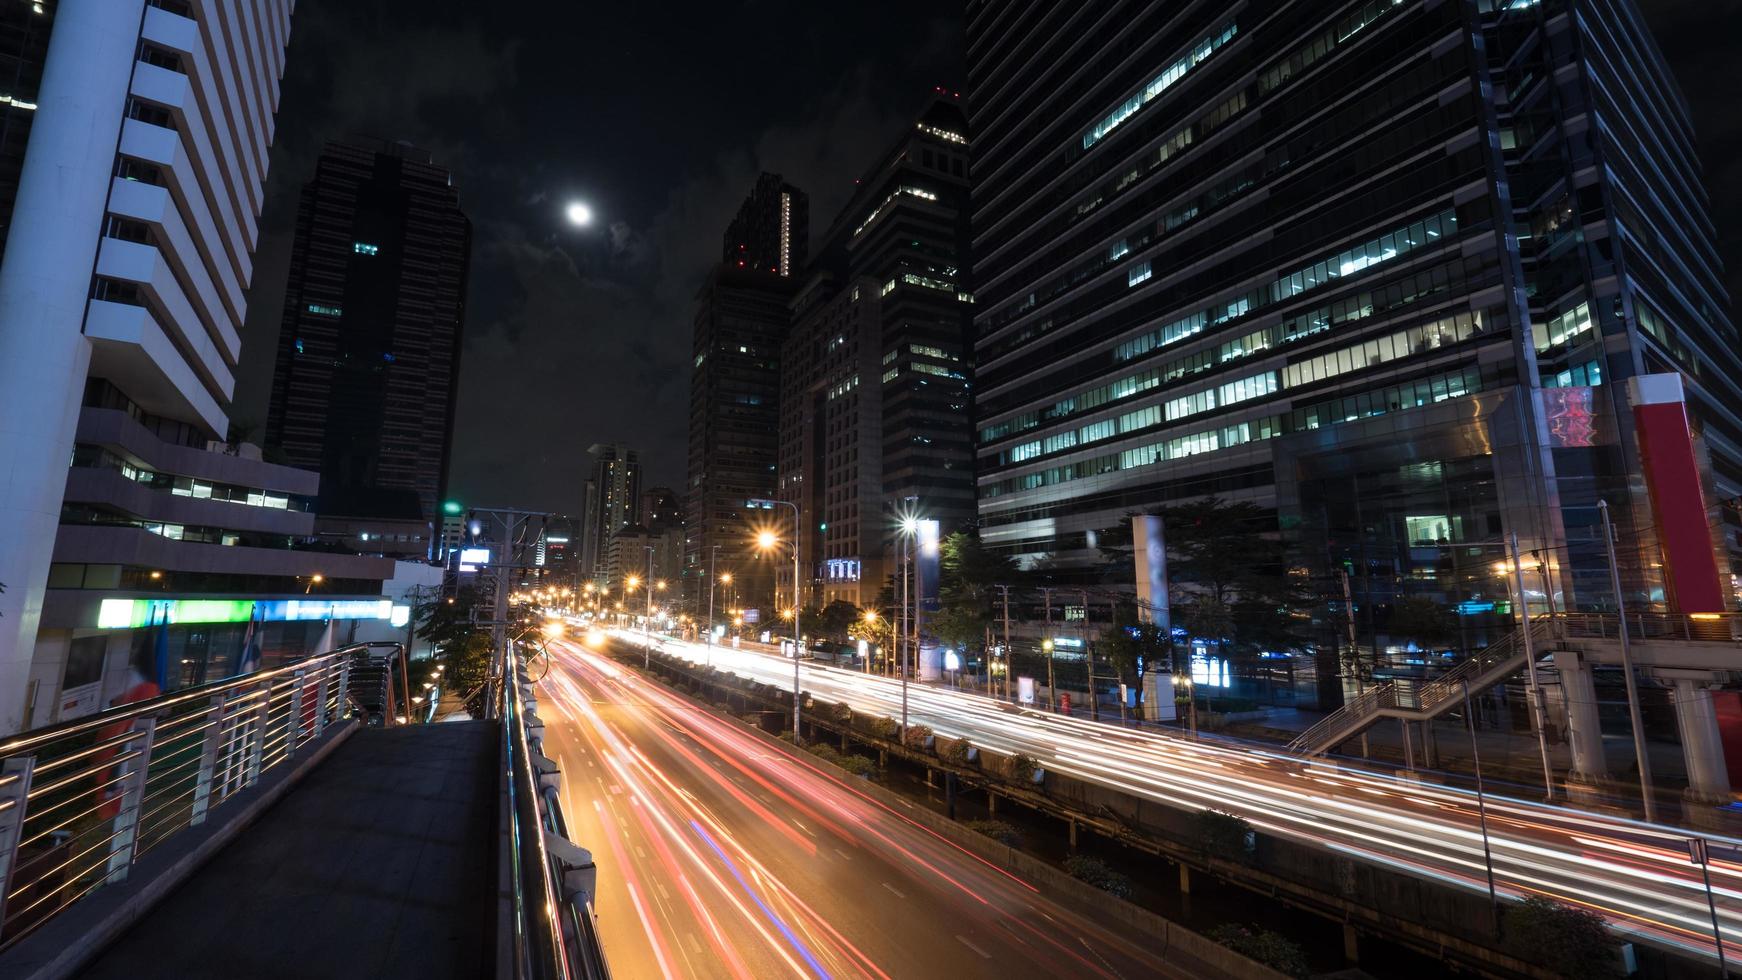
[[998, 830], [1094, 871], [915, 736], [824, 751], [1569, 940], [883, 727], [954, 750], [1022, 767], [1223, 834], [1269, 948], [858, 765]]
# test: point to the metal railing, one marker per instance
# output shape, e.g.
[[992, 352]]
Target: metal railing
[[1688, 627], [555, 881], [82, 801], [1418, 699]]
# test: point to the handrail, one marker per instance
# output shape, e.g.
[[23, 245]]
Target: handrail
[[554, 880], [132, 776]]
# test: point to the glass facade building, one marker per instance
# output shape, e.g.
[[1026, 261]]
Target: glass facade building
[[1379, 267]]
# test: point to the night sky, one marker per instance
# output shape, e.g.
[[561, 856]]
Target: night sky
[[660, 115]]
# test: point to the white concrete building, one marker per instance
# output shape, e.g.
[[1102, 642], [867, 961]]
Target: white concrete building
[[133, 216]]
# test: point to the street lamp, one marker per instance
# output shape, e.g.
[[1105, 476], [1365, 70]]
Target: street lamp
[[909, 530], [1516, 580], [766, 540]]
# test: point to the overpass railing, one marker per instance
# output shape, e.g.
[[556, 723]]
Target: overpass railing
[[83, 800], [554, 880]]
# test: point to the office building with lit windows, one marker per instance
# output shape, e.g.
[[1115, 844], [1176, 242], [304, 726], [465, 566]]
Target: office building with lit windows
[[368, 358], [740, 322], [133, 153], [874, 400], [613, 503], [1386, 268]]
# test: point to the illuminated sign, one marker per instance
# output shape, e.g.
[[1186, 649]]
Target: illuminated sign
[[133, 613], [471, 558], [399, 616]]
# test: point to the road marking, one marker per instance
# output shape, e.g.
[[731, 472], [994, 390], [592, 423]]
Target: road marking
[[616, 788], [642, 855], [844, 855], [805, 829], [894, 889], [693, 943], [964, 941], [662, 892]]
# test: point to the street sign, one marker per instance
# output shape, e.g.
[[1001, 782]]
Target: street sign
[[1025, 690], [1696, 851]]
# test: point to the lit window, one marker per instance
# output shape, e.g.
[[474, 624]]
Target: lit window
[[1139, 273], [325, 310], [364, 248]]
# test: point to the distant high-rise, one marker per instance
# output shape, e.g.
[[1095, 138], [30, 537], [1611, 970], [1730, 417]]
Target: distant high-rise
[[874, 401], [740, 322], [369, 349], [660, 508], [772, 230], [613, 502]]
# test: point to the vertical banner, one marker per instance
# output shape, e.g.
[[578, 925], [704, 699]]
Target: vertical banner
[[1666, 452], [925, 568]]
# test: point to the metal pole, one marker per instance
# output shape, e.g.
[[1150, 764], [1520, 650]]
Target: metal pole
[[1006, 589], [1645, 781], [647, 624], [906, 640], [1699, 847], [797, 634], [1089, 658], [713, 556], [1052, 691], [1481, 807], [1536, 702]]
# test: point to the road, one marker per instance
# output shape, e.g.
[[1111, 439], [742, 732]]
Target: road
[[722, 854], [1636, 874]]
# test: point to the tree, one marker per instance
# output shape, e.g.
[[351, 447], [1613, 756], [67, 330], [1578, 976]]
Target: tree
[[461, 645], [1570, 940], [968, 597], [1229, 581], [836, 619], [1428, 623], [1132, 646]]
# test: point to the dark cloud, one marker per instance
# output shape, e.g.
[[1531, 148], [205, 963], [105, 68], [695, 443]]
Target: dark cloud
[[660, 118]]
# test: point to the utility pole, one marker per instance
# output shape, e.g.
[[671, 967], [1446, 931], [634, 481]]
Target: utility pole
[[1007, 664], [1089, 658], [713, 556], [647, 623], [1052, 692], [514, 524], [1645, 788]]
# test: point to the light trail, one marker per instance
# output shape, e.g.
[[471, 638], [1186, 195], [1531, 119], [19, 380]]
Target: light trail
[[1636, 874], [732, 857]]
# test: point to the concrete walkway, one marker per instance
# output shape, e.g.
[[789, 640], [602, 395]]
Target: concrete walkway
[[380, 863]]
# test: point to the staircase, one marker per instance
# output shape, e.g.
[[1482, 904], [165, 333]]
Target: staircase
[[1427, 701]]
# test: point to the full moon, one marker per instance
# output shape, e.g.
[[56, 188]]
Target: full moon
[[579, 214]]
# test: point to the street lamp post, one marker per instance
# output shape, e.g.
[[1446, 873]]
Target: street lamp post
[[1536, 700], [768, 540], [909, 527], [713, 556], [647, 624], [1481, 806]]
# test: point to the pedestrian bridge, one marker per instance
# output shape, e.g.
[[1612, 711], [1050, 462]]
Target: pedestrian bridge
[[288, 824]]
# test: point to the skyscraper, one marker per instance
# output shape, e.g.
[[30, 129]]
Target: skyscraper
[[613, 502], [874, 402], [740, 323], [771, 232], [369, 349], [1383, 268], [133, 153]]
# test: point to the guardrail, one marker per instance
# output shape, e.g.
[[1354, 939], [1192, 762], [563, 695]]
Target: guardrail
[[82, 801], [1690, 627], [554, 880]]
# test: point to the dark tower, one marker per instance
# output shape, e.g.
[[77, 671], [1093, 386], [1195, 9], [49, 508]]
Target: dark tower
[[369, 353]]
